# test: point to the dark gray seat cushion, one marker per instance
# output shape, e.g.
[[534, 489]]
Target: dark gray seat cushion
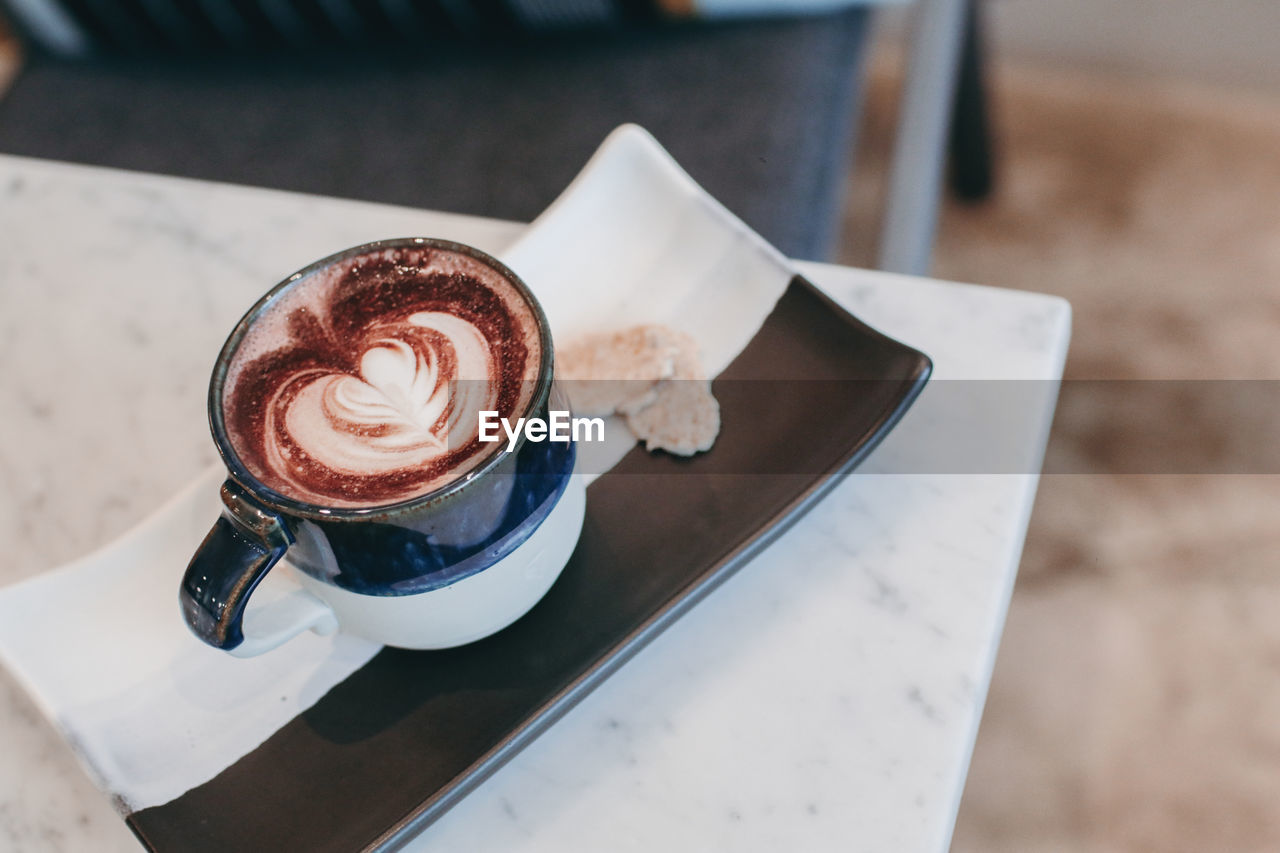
[[761, 114]]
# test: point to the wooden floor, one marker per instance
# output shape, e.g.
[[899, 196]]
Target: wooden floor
[[8, 58], [1136, 700]]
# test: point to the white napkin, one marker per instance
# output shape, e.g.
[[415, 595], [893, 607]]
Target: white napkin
[[150, 710]]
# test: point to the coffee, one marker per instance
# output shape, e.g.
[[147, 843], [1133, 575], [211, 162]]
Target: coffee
[[360, 384]]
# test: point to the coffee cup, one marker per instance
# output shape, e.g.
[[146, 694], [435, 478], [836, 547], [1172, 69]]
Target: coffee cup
[[344, 406]]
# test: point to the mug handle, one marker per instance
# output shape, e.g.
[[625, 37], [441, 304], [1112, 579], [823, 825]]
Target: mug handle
[[244, 543]]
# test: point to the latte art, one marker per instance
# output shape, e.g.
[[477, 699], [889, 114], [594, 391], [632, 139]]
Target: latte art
[[400, 410], [361, 385]]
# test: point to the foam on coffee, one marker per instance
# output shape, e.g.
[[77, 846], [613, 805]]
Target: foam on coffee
[[361, 384]]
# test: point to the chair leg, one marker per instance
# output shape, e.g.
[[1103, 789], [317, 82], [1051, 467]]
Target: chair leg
[[972, 167], [917, 170]]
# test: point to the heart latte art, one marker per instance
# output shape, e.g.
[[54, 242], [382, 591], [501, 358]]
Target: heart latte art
[[361, 384]]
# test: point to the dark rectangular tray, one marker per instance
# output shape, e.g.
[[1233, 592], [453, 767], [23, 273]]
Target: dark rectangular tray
[[410, 733]]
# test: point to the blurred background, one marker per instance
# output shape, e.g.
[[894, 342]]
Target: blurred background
[[1136, 698], [1135, 704]]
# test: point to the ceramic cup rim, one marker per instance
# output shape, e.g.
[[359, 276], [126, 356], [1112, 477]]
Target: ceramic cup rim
[[490, 459]]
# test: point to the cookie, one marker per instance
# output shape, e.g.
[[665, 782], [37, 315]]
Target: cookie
[[684, 416], [652, 376], [602, 373]]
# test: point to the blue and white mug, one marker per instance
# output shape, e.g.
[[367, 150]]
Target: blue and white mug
[[437, 570]]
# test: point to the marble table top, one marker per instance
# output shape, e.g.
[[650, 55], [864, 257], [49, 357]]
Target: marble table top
[[844, 721]]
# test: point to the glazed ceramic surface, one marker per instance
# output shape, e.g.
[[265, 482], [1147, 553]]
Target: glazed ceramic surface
[[404, 574]]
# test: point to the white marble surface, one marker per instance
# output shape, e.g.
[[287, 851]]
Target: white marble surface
[[826, 698]]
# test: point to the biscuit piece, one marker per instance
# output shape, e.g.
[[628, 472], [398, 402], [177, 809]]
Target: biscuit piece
[[684, 417], [649, 374], [602, 373]]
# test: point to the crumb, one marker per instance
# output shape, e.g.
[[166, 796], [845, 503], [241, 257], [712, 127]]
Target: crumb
[[652, 376], [603, 373], [684, 417]]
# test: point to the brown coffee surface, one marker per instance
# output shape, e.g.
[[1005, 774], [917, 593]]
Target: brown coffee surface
[[361, 384]]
